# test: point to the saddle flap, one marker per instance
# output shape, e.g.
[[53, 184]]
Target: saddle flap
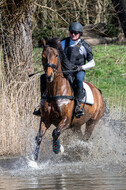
[[89, 99]]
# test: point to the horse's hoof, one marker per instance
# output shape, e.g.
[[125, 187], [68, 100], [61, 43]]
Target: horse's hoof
[[56, 146], [35, 157]]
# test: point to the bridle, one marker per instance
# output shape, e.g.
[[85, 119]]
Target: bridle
[[54, 67], [51, 65]]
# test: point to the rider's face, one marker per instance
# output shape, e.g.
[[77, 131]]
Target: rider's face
[[74, 35]]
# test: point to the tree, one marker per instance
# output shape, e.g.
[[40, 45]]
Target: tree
[[16, 19], [120, 7]]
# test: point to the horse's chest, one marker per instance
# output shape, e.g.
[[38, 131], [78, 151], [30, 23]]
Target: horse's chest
[[51, 110]]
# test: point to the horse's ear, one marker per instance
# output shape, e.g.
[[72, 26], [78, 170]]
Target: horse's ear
[[43, 42], [58, 40]]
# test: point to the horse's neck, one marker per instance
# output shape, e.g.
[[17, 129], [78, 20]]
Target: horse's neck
[[59, 86]]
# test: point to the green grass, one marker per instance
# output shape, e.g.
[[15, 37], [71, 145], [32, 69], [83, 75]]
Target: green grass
[[109, 74]]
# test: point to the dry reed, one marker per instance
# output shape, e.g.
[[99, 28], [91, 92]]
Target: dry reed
[[17, 124]]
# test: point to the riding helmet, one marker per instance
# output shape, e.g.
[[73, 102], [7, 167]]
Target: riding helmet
[[76, 26]]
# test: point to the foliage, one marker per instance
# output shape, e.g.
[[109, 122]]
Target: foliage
[[51, 17], [112, 30], [39, 33]]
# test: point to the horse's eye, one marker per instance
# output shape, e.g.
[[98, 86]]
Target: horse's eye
[[57, 55]]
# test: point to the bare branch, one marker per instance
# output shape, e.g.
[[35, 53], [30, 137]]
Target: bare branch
[[48, 8]]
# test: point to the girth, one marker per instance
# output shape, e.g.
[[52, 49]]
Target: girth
[[50, 98]]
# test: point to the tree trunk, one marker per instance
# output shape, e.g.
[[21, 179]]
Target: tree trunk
[[120, 7], [17, 39]]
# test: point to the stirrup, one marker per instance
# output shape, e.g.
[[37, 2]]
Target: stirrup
[[79, 112]]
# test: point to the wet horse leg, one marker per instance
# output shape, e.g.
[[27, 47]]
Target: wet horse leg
[[64, 124], [89, 129], [38, 139], [56, 143]]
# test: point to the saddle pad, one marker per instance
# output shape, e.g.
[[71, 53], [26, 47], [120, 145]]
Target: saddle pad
[[89, 99]]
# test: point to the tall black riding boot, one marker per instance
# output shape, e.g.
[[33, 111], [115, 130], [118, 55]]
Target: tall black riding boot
[[79, 110], [42, 89]]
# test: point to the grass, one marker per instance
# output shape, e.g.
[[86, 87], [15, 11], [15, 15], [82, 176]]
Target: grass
[[109, 74]]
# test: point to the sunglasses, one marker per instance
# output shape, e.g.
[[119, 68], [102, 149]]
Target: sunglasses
[[73, 32]]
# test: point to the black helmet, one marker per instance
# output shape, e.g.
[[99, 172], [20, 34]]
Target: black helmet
[[76, 26]]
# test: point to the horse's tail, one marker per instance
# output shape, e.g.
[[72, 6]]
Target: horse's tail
[[106, 108], [100, 91]]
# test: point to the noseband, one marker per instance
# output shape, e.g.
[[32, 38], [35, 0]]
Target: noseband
[[51, 65]]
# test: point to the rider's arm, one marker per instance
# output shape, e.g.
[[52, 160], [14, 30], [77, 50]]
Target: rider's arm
[[89, 57], [88, 65]]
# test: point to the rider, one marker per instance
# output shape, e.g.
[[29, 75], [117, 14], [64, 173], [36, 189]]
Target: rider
[[76, 51]]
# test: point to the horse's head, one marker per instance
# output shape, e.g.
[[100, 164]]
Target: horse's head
[[50, 60]]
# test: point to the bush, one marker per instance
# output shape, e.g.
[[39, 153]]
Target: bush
[[39, 33]]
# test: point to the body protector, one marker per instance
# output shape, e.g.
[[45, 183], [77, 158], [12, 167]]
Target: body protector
[[73, 53]]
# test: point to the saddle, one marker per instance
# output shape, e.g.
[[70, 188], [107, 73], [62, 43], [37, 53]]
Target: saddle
[[89, 98]]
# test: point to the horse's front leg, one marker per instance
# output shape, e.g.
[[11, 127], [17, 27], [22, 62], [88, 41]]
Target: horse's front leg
[[64, 124], [38, 139]]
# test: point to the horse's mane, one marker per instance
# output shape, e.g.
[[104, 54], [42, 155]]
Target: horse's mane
[[55, 43]]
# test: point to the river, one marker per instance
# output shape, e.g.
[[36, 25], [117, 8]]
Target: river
[[19, 173]]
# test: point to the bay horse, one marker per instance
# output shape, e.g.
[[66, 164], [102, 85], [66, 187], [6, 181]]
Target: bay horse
[[58, 104]]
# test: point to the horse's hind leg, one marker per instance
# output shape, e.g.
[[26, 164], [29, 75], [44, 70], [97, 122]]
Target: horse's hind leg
[[89, 129], [56, 143], [38, 139]]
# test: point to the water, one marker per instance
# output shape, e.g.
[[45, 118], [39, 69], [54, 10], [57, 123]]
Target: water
[[99, 164], [17, 174]]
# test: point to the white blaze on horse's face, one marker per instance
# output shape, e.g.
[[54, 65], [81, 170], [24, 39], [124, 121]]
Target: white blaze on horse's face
[[49, 77], [50, 60]]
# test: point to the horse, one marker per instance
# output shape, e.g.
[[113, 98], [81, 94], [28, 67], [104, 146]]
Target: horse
[[58, 104]]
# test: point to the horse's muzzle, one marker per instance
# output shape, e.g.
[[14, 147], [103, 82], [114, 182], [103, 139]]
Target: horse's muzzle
[[50, 77]]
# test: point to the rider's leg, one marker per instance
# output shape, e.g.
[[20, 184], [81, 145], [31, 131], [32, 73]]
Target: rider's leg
[[42, 90], [80, 93]]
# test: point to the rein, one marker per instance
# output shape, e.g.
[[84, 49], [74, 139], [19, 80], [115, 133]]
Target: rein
[[67, 71]]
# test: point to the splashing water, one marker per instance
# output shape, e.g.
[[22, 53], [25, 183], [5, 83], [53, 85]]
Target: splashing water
[[105, 149]]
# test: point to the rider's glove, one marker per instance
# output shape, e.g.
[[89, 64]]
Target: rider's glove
[[77, 68]]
